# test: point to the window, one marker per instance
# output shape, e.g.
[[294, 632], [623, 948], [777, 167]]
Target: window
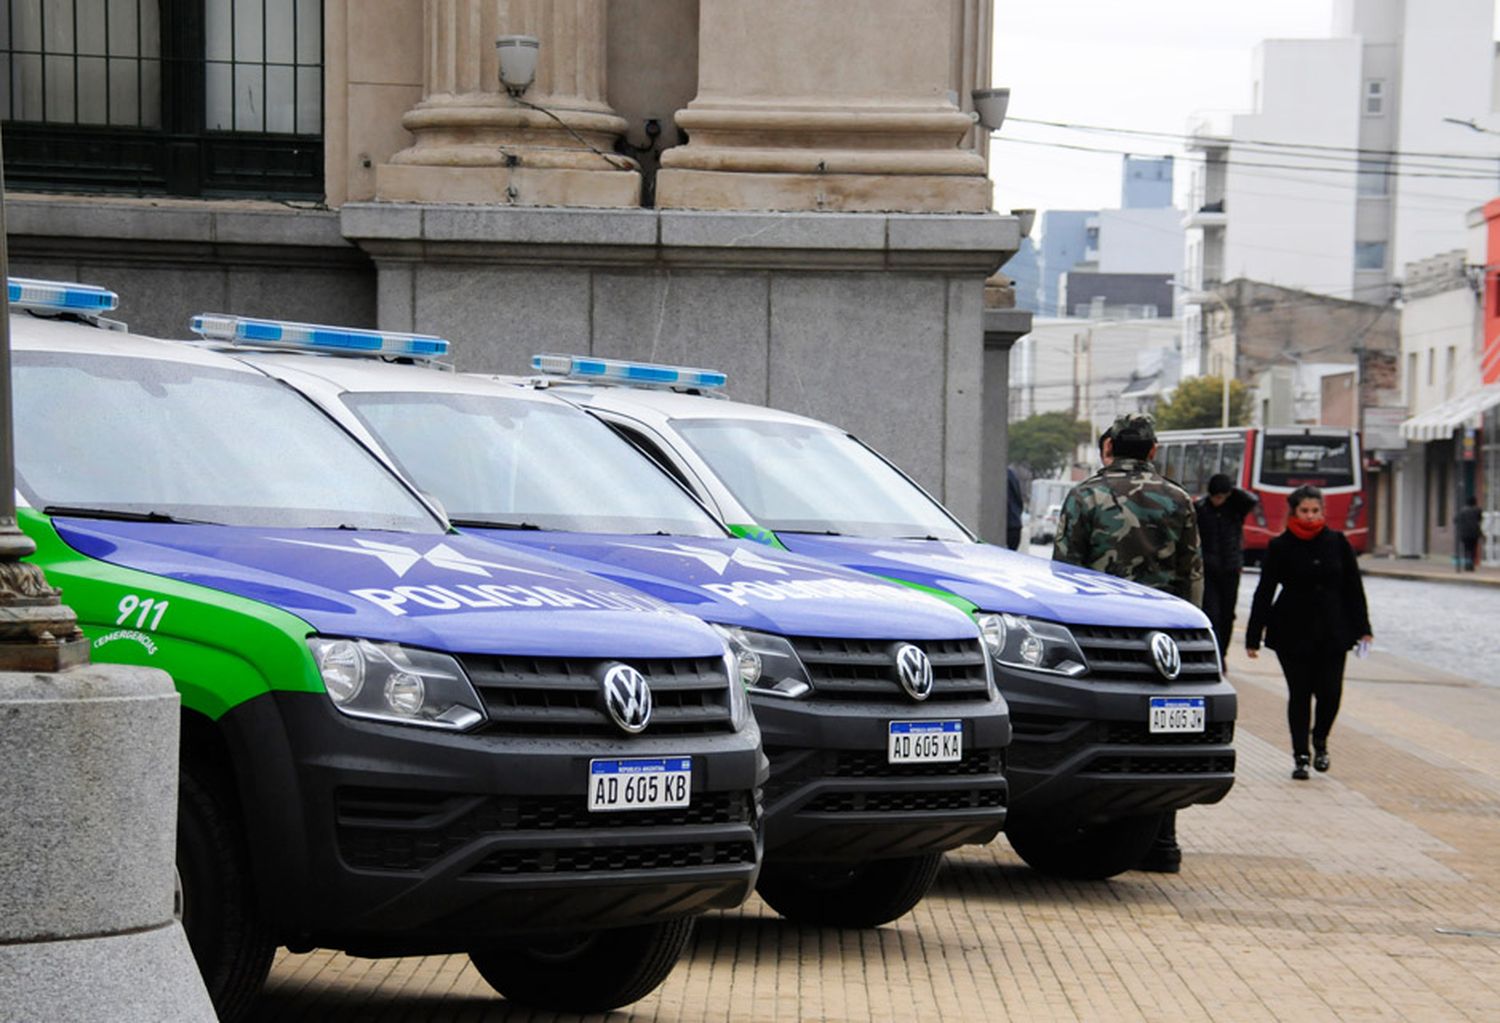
[[1374, 97], [1369, 255], [1411, 376], [1373, 176], [175, 97], [1449, 371], [1431, 363]]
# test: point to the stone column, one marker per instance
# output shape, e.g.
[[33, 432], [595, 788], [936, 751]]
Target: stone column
[[1002, 329], [475, 143], [852, 105]]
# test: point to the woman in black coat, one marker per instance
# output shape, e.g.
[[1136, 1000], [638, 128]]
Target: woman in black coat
[[1318, 616]]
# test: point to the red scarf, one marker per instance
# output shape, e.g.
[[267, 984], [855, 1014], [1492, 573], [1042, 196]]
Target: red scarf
[[1304, 530]]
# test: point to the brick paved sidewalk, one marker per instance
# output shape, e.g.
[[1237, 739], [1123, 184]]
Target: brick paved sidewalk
[[1439, 570], [1370, 893]]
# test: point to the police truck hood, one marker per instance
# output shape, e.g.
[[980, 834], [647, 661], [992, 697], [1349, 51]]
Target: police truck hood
[[995, 579], [736, 582], [444, 592]]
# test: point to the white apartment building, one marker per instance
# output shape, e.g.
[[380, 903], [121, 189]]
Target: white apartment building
[[1350, 164]]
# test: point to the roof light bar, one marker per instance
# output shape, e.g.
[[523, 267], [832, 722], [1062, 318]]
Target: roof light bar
[[643, 374], [60, 296], [247, 330]]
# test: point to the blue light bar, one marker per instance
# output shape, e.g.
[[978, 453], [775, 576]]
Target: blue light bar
[[60, 296], [247, 330], [647, 374]]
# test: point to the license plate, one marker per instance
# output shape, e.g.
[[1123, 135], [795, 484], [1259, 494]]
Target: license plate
[[1177, 713], [925, 742], [640, 783]]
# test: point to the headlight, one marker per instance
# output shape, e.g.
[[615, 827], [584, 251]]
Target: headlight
[[387, 682], [765, 663], [1019, 642]]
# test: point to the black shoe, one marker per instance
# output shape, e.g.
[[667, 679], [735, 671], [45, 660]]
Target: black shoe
[[1162, 859], [1299, 772], [1320, 760]]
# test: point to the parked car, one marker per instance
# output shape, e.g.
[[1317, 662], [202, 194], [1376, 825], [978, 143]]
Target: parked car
[[883, 728], [395, 739], [1116, 694], [1044, 530]]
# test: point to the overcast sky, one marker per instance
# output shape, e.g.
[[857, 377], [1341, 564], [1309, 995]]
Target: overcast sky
[[1144, 64]]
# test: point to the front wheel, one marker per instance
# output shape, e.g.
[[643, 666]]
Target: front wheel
[[214, 899], [589, 972], [1088, 852], [848, 894]]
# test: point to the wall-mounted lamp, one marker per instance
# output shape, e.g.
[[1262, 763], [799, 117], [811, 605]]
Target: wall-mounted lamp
[[991, 105], [517, 56], [1027, 218]]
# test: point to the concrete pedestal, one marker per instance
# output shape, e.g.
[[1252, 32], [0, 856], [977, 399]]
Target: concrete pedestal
[[88, 809]]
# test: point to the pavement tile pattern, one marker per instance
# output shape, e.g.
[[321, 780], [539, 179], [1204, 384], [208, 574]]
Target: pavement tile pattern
[[1369, 893]]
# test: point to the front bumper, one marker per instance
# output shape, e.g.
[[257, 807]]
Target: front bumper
[[833, 796], [383, 839], [1083, 751]]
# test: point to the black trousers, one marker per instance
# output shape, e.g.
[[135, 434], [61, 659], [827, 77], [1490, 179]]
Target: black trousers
[[1313, 675], [1220, 592]]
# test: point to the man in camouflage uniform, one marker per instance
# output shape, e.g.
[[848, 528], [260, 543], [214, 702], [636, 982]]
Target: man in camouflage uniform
[[1130, 521]]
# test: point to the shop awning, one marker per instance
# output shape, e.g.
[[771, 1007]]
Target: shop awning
[[1439, 423]]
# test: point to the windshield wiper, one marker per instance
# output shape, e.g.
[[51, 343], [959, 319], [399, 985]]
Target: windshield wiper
[[117, 514], [491, 524], [811, 532]]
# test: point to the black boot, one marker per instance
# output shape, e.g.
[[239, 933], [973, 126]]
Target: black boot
[[1165, 855], [1300, 771], [1320, 759]]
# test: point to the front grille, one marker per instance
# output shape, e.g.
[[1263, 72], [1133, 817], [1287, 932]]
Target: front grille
[[1042, 741], [563, 697], [675, 855], [906, 802], [389, 829], [1222, 763], [1124, 655], [793, 769], [865, 669]]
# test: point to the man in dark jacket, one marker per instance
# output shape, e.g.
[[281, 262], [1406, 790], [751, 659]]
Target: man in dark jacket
[[1466, 524], [1015, 505], [1221, 530]]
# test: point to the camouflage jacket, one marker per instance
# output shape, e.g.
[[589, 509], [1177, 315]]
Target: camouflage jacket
[[1130, 521]]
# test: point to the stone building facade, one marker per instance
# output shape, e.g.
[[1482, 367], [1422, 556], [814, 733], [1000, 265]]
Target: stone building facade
[[793, 192]]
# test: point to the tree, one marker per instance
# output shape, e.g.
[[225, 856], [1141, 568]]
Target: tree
[[1045, 441], [1199, 402]]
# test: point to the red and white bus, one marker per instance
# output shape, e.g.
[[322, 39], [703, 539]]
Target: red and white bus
[[1271, 462]]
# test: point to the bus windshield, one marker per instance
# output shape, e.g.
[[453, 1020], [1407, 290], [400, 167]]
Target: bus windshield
[[1291, 460]]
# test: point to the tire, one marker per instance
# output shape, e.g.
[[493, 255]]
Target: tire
[[848, 894], [591, 972], [216, 900], [1090, 852]]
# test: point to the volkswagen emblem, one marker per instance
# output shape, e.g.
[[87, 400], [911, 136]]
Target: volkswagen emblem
[[627, 697], [914, 670], [1165, 655]]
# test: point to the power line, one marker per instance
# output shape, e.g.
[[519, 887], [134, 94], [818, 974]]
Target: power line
[[1185, 140], [1492, 177]]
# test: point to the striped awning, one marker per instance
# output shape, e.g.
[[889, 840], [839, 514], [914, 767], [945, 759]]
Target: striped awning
[[1439, 423]]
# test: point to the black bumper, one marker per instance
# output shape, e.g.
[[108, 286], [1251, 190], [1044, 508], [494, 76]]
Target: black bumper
[[1083, 751], [383, 839], [833, 796]]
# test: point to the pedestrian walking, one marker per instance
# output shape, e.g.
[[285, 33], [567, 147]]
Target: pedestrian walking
[[1310, 608], [1221, 530], [1015, 506], [1470, 532], [1130, 521]]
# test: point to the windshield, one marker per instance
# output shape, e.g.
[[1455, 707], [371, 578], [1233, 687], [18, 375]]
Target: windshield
[[514, 462], [798, 478], [1293, 460], [152, 437]]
